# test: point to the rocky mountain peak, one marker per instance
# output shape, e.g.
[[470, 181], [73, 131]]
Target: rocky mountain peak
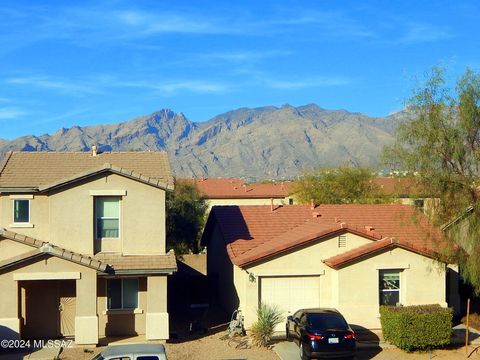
[[264, 142]]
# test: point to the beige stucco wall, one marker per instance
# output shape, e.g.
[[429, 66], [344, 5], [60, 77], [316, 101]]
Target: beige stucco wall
[[422, 281], [66, 217], [10, 248], [39, 216], [352, 289], [121, 322], [48, 268], [221, 273]]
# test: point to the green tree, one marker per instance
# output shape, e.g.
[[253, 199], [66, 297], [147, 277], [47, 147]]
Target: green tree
[[185, 218], [343, 185], [440, 143]]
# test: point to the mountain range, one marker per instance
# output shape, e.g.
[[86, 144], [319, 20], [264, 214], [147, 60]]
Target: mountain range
[[261, 143]]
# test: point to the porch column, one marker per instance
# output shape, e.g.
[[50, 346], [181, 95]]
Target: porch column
[[9, 321], [86, 319], [157, 315]]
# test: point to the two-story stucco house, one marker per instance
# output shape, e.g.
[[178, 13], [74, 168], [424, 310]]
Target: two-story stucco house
[[82, 245]]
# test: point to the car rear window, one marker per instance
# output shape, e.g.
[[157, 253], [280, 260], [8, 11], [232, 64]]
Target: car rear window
[[327, 321]]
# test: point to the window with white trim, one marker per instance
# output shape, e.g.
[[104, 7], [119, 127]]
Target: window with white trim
[[107, 217], [122, 294], [389, 283], [21, 211]]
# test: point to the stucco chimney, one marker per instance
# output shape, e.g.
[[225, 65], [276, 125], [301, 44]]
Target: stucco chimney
[[312, 204], [94, 150], [271, 204]]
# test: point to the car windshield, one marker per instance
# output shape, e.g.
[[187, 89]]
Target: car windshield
[[326, 321], [98, 357]]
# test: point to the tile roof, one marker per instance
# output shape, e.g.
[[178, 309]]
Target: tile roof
[[37, 169], [252, 233], [401, 186], [104, 262], [47, 248], [139, 263], [234, 188], [376, 246]]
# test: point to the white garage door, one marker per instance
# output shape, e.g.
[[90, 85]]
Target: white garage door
[[290, 293]]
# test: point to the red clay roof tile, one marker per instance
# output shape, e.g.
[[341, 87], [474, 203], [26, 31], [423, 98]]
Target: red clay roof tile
[[234, 188], [252, 233]]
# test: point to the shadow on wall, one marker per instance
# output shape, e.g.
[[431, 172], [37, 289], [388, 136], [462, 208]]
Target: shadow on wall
[[122, 322]]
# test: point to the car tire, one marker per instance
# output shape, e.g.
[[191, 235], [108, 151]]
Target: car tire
[[289, 337], [303, 356]]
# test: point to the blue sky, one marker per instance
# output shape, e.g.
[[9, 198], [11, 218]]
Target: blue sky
[[65, 63]]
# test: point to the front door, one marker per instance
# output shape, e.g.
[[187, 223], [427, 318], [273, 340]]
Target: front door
[[67, 302]]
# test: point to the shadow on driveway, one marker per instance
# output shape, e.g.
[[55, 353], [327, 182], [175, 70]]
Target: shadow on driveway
[[290, 351]]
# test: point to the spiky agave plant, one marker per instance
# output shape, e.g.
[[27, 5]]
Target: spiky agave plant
[[268, 317]]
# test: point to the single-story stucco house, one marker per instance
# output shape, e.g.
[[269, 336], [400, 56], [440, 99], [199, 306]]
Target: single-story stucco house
[[350, 257]]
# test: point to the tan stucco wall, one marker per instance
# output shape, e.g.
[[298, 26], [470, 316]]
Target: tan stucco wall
[[422, 281], [10, 248], [39, 216], [157, 319], [66, 217], [353, 289], [121, 322], [221, 273], [52, 266]]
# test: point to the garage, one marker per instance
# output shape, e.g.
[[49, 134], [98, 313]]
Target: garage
[[290, 293]]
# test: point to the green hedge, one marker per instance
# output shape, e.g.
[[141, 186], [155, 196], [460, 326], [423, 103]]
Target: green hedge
[[420, 327]]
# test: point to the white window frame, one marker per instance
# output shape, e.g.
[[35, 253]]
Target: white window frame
[[121, 294], [399, 290], [29, 212], [95, 198]]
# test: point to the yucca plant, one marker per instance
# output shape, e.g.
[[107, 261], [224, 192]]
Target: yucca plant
[[269, 316]]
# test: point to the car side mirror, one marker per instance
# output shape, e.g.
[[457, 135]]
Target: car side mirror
[[290, 318]]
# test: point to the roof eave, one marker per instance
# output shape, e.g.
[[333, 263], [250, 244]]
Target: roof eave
[[136, 272], [16, 190], [304, 243]]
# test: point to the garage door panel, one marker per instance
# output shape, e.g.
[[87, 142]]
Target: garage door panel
[[290, 293]]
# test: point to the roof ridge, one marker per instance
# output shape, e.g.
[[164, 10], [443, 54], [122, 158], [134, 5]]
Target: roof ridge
[[4, 162]]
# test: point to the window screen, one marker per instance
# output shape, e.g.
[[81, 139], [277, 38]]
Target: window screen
[[389, 287]]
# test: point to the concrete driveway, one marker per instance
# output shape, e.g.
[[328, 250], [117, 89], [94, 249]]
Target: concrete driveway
[[290, 351]]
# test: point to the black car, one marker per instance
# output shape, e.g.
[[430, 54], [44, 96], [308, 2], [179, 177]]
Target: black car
[[321, 333]]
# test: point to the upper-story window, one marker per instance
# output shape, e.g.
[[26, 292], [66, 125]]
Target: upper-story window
[[21, 211], [107, 217]]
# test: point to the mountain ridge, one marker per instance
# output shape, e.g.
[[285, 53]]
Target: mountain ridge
[[253, 143]]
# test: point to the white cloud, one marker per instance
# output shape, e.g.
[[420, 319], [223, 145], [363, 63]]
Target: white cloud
[[62, 86], [9, 113], [420, 33]]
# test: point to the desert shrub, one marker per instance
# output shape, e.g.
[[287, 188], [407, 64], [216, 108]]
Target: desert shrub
[[268, 317], [420, 327]]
